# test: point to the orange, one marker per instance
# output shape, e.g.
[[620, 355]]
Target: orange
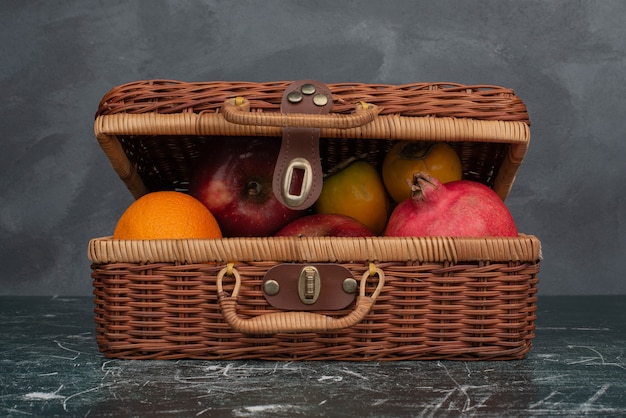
[[356, 191], [167, 215]]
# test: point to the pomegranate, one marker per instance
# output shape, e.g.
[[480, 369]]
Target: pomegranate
[[461, 208]]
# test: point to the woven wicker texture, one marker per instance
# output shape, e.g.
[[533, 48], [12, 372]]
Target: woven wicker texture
[[441, 298], [317, 249], [470, 299], [462, 310], [418, 99], [135, 124]]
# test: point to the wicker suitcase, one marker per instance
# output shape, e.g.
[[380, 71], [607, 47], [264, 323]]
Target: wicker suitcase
[[409, 298]]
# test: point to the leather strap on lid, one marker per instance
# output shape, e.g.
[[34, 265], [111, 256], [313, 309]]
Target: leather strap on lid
[[298, 175]]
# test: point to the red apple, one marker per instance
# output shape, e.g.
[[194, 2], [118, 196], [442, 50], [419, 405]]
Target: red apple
[[233, 178], [325, 225]]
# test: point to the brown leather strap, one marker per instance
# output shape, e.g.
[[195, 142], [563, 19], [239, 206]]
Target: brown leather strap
[[298, 175]]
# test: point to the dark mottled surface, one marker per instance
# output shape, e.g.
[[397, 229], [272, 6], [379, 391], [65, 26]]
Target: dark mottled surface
[[50, 366]]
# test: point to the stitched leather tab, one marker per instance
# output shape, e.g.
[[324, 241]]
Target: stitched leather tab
[[298, 175]]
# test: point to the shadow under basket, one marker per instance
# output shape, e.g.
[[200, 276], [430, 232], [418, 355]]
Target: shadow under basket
[[409, 298]]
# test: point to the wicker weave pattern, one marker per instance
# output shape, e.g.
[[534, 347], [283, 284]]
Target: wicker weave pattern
[[418, 99], [468, 311], [442, 297], [152, 130], [317, 250]]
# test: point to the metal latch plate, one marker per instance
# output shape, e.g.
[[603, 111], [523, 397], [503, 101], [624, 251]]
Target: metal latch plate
[[309, 287]]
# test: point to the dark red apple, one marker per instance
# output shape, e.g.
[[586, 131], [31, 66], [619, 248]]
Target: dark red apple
[[233, 178], [325, 225]]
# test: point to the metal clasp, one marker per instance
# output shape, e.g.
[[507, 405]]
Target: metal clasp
[[297, 181], [309, 284]]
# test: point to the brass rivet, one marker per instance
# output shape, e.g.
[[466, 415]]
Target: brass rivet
[[320, 99], [271, 287], [307, 89], [349, 285], [294, 97]]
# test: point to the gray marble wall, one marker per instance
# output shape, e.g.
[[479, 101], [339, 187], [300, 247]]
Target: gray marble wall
[[565, 59]]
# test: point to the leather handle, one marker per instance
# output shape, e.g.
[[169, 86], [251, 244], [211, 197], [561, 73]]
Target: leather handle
[[290, 322], [237, 110]]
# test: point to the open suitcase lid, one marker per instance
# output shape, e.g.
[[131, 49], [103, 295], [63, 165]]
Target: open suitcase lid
[[151, 130]]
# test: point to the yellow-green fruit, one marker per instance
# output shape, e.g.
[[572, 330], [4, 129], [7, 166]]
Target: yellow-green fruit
[[356, 191]]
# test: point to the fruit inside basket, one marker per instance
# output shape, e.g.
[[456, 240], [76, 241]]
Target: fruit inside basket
[[412, 297]]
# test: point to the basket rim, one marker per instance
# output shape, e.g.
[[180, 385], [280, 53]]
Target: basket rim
[[452, 250]]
